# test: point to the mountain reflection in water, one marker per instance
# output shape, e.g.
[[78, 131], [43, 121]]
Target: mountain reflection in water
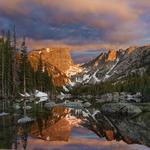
[[65, 128], [82, 139]]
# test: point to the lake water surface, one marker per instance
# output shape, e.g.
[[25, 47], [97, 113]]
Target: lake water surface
[[67, 127]]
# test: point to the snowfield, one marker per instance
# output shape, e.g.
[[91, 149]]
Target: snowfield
[[73, 70]]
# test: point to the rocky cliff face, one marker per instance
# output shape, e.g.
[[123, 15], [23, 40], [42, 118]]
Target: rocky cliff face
[[112, 55], [114, 65], [55, 60]]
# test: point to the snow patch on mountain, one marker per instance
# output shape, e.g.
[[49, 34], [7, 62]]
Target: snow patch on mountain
[[65, 89], [72, 83], [73, 70], [86, 77], [94, 76], [108, 72]]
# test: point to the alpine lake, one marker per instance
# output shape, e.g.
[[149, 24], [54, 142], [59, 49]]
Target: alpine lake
[[74, 124]]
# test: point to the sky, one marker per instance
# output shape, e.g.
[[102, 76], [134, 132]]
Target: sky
[[80, 25]]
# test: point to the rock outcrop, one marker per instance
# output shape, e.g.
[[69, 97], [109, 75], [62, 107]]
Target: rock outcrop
[[55, 60], [112, 55]]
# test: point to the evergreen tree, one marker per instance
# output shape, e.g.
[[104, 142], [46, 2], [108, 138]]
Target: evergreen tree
[[8, 64], [16, 72], [23, 67]]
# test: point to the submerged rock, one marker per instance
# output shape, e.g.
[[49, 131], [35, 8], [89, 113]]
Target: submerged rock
[[121, 108], [86, 104], [134, 130], [50, 105], [119, 97]]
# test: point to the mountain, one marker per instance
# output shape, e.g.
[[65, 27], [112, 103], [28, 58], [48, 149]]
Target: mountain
[[55, 60], [114, 65]]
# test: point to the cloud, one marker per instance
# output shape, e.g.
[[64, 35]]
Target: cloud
[[36, 44], [76, 23]]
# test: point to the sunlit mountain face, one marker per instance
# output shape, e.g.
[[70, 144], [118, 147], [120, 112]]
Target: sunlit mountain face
[[75, 74]]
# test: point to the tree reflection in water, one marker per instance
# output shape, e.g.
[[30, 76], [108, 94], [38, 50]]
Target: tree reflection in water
[[56, 124]]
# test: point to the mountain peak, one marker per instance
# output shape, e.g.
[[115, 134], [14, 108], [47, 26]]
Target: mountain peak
[[131, 49], [58, 57], [99, 59], [112, 55]]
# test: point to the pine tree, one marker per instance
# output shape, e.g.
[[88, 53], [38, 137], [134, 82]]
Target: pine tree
[[8, 64], [14, 74], [2, 66], [23, 67]]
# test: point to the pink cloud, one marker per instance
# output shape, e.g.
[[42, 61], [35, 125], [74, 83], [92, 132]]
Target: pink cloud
[[119, 21], [36, 44]]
